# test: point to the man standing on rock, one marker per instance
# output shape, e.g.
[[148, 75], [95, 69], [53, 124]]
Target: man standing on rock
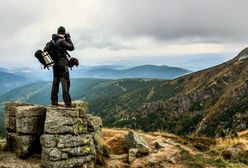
[[63, 43]]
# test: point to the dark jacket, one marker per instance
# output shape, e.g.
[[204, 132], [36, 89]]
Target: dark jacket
[[63, 44]]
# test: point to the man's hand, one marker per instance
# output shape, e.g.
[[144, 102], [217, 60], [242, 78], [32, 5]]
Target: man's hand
[[67, 35]]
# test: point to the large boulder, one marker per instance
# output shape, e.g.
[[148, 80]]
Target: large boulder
[[133, 140], [94, 123], [22, 145], [94, 127], [24, 123], [61, 120], [30, 119], [69, 162], [10, 115], [67, 141], [66, 137]]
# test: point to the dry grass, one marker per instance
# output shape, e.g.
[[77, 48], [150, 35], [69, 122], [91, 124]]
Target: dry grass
[[243, 134], [114, 139], [232, 142], [241, 141]]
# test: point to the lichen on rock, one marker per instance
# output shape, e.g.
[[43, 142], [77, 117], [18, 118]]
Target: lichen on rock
[[67, 142]]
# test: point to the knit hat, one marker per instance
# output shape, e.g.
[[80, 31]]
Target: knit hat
[[61, 30]]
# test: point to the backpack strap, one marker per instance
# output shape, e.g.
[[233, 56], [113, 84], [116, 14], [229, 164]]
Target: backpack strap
[[67, 56], [53, 41], [56, 48]]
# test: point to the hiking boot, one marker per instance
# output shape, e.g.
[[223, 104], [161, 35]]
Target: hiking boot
[[55, 104], [70, 105]]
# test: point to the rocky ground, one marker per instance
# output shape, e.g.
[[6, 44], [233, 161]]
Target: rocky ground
[[168, 150], [123, 148]]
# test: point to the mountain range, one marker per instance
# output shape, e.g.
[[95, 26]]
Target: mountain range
[[9, 81], [104, 72], [210, 102], [144, 71], [13, 78]]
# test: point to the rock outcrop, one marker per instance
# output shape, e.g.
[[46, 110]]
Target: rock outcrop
[[136, 145], [69, 137], [24, 124], [133, 140]]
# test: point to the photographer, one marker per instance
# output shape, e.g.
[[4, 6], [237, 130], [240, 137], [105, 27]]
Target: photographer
[[60, 69]]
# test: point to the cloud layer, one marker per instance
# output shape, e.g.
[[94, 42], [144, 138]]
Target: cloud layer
[[112, 29]]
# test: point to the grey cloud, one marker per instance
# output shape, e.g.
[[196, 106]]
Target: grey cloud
[[17, 15], [210, 21], [91, 38], [181, 20], [115, 24]]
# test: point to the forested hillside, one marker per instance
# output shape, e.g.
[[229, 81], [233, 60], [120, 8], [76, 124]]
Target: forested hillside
[[211, 102]]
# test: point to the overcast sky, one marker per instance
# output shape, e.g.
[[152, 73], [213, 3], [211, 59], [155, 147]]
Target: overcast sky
[[125, 31]]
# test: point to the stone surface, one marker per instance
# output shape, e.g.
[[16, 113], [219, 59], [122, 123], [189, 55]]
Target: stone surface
[[132, 153], [82, 105], [24, 124], [10, 115], [10, 108], [31, 126], [94, 123], [133, 140], [159, 144], [67, 142], [30, 111], [24, 118], [22, 145], [65, 125], [60, 132], [30, 119], [10, 123], [68, 163], [79, 150], [73, 141], [98, 141], [68, 121], [231, 153], [60, 111]]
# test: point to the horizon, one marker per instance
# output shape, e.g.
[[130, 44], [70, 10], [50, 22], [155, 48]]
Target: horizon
[[191, 62]]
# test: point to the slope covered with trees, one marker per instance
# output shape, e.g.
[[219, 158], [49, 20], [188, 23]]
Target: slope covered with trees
[[211, 102]]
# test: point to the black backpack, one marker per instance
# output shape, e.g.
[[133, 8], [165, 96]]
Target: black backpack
[[53, 50], [53, 53], [38, 55]]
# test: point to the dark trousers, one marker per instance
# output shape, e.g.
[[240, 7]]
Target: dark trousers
[[63, 77]]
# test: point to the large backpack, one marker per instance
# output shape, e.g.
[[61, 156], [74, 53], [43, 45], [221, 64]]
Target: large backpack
[[49, 56], [52, 50]]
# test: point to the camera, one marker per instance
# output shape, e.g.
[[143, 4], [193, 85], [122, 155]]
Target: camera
[[67, 35]]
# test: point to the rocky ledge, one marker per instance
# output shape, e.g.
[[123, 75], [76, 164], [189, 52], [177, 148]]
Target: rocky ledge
[[65, 137]]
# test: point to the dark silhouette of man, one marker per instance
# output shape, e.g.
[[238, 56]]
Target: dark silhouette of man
[[60, 69]]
